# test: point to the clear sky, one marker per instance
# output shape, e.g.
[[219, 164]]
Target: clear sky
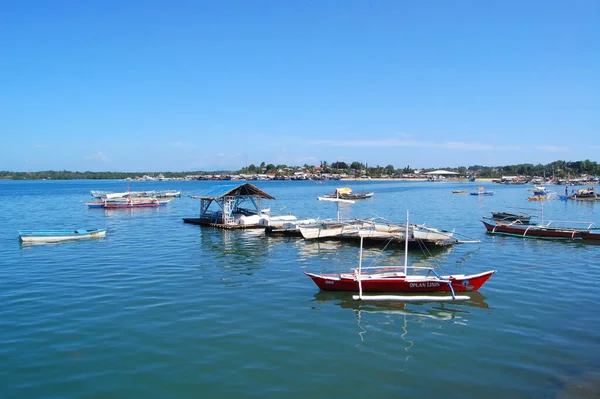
[[142, 85]]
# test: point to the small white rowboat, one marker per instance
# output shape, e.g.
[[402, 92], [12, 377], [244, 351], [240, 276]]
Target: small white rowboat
[[41, 236]]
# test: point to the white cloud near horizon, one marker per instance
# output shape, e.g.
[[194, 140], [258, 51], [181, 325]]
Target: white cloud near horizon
[[97, 156]]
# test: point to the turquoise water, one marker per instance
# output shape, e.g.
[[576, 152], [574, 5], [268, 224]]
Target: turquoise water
[[160, 308]]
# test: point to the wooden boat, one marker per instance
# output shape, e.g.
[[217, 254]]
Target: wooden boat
[[375, 231], [329, 228], [539, 190], [459, 191], [585, 194], [544, 230], [165, 194], [482, 191], [47, 236], [508, 217], [114, 195], [130, 202], [543, 197], [397, 280], [426, 233], [288, 228], [135, 194], [348, 201], [346, 194]]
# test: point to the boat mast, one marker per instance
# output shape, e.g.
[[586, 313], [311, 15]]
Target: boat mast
[[405, 246]]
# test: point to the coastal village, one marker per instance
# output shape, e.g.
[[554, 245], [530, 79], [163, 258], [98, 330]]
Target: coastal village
[[417, 175], [572, 173]]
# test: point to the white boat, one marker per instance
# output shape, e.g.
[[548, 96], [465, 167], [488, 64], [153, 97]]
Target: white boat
[[328, 228], [422, 232], [276, 220], [129, 202], [346, 194], [163, 194], [336, 200], [47, 236], [114, 195], [136, 194]]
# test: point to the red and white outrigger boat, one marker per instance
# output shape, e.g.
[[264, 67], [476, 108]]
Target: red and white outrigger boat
[[397, 280]]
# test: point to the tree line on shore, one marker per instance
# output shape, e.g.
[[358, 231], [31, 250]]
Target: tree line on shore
[[558, 169]]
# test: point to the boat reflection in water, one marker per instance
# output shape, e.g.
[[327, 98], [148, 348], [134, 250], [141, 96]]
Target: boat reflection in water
[[455, 312], [238, 253], [394, 254]]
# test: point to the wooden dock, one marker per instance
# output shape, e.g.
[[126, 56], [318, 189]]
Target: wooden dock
[[204, 222]]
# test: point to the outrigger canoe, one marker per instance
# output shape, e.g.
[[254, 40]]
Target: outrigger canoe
[[345, 193], [46, 236], [397, 280], [124, 203], [386, 279], [546, 230]]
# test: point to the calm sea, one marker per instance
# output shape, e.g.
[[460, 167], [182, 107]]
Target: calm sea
[[163, 309]]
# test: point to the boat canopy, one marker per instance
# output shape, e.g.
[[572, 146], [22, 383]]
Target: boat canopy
[[244, 190], [343, 190]]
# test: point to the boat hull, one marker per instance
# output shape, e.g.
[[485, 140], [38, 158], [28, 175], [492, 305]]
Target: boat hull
[[531, 231], [401, 284], [511, 217], [127, 204], [348, 195], [32, 237], [431, 234]]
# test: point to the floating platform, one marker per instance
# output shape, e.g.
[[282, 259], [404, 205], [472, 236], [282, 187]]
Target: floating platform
[[204, 222]]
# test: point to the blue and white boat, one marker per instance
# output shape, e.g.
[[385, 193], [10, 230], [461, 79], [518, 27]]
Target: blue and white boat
[[46, 236], [482, 191]]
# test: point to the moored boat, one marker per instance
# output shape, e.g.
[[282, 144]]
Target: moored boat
[[397, 280], [539, 190], [523, 218], [426, 233], [546, 230], [539, 197], [135, 194], [394, 280], [376, 231], [130, 202], [347, 194], [49, 236], [588, 194], [481, 191]]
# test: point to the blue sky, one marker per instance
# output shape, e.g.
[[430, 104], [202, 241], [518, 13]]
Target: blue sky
[[206, 85]]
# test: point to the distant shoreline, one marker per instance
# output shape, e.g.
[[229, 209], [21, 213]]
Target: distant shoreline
[[450, 180]]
